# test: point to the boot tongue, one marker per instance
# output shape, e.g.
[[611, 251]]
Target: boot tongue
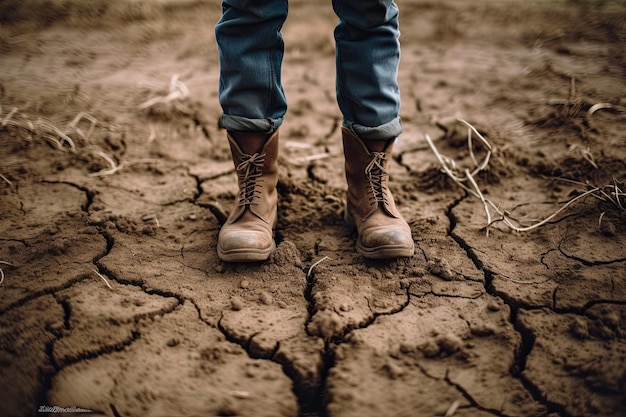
[[250, 142], [377, 145]]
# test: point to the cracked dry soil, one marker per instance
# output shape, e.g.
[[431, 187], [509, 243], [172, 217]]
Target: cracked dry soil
[[113, 299]]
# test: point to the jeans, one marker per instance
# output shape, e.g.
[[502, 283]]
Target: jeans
[[251, 51]]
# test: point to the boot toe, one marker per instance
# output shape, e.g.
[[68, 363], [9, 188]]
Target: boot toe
[[244, 246], [385, 242]]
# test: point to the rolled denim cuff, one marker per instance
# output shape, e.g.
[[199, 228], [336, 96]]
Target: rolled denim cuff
[[390, 130], [244, 124]]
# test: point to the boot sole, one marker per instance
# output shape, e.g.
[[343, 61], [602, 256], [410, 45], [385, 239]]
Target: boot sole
[[385, 252], [245, 255]]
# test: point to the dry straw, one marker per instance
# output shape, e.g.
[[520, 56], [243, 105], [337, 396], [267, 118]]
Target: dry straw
[[43, 128], [103, 279], [465, 179], [2, 272], [177, 90], [61, 139], [316, 264]]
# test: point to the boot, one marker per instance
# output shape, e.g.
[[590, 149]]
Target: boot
[[383, 233], [248, 234]]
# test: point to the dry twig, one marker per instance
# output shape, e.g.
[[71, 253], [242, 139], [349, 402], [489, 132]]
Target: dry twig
[[47, 130], [115, 167], [103, 279], [611, 193], [6, 180], [176, 91], [82, 115], [2, 272], [315, 264], [600, 106], [453, 407]]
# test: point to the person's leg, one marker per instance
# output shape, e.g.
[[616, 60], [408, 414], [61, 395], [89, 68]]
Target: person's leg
[[251, 48], [367, 58], [253, 102], [368, 53]]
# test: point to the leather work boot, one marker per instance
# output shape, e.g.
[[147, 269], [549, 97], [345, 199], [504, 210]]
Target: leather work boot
[[248, 234], [383, 233]]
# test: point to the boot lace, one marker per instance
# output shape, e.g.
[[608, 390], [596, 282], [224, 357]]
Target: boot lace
[[376, 175], [249, 171]]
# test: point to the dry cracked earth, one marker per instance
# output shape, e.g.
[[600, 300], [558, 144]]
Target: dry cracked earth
[[115, 180]]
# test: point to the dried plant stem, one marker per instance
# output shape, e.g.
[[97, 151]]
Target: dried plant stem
[[6, 180], [315, 264], [82, 115], [177, 90], [46, 129], [2, 272], [615, 195], [480, 195], [512, 226], [600, 106], [103, 279], [452, 410], [115, 167], [8, 117], [60, 137]]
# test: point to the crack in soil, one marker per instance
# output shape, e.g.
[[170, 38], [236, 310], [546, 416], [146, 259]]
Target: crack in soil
[[89, 195], [314, 405], [526, 345], [587, 262], [48, 375], [46, 291], [526, 335], [471, 399]]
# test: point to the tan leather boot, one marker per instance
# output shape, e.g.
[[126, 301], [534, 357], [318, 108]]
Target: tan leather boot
[[383, 233], [248, 234]]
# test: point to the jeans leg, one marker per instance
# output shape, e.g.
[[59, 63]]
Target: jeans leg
[[368, 55], [251, 48]]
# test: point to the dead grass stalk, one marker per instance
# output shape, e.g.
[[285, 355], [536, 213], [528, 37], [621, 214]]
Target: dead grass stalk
[[2, 272], [609, 193]]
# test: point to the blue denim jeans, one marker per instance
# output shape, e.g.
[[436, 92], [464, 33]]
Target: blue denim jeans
[[367, 55]]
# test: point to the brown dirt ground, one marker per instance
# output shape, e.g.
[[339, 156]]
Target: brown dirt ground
[[113, 299]]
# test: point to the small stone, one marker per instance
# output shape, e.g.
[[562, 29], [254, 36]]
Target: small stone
[[325, 323], [375, 273], [266, 298], [245, 284], [392, 370], [607, 228], [406, 348], [493, 305], [579, 328], [450, 343], [430, 349], [482, 329], [236, 303]]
